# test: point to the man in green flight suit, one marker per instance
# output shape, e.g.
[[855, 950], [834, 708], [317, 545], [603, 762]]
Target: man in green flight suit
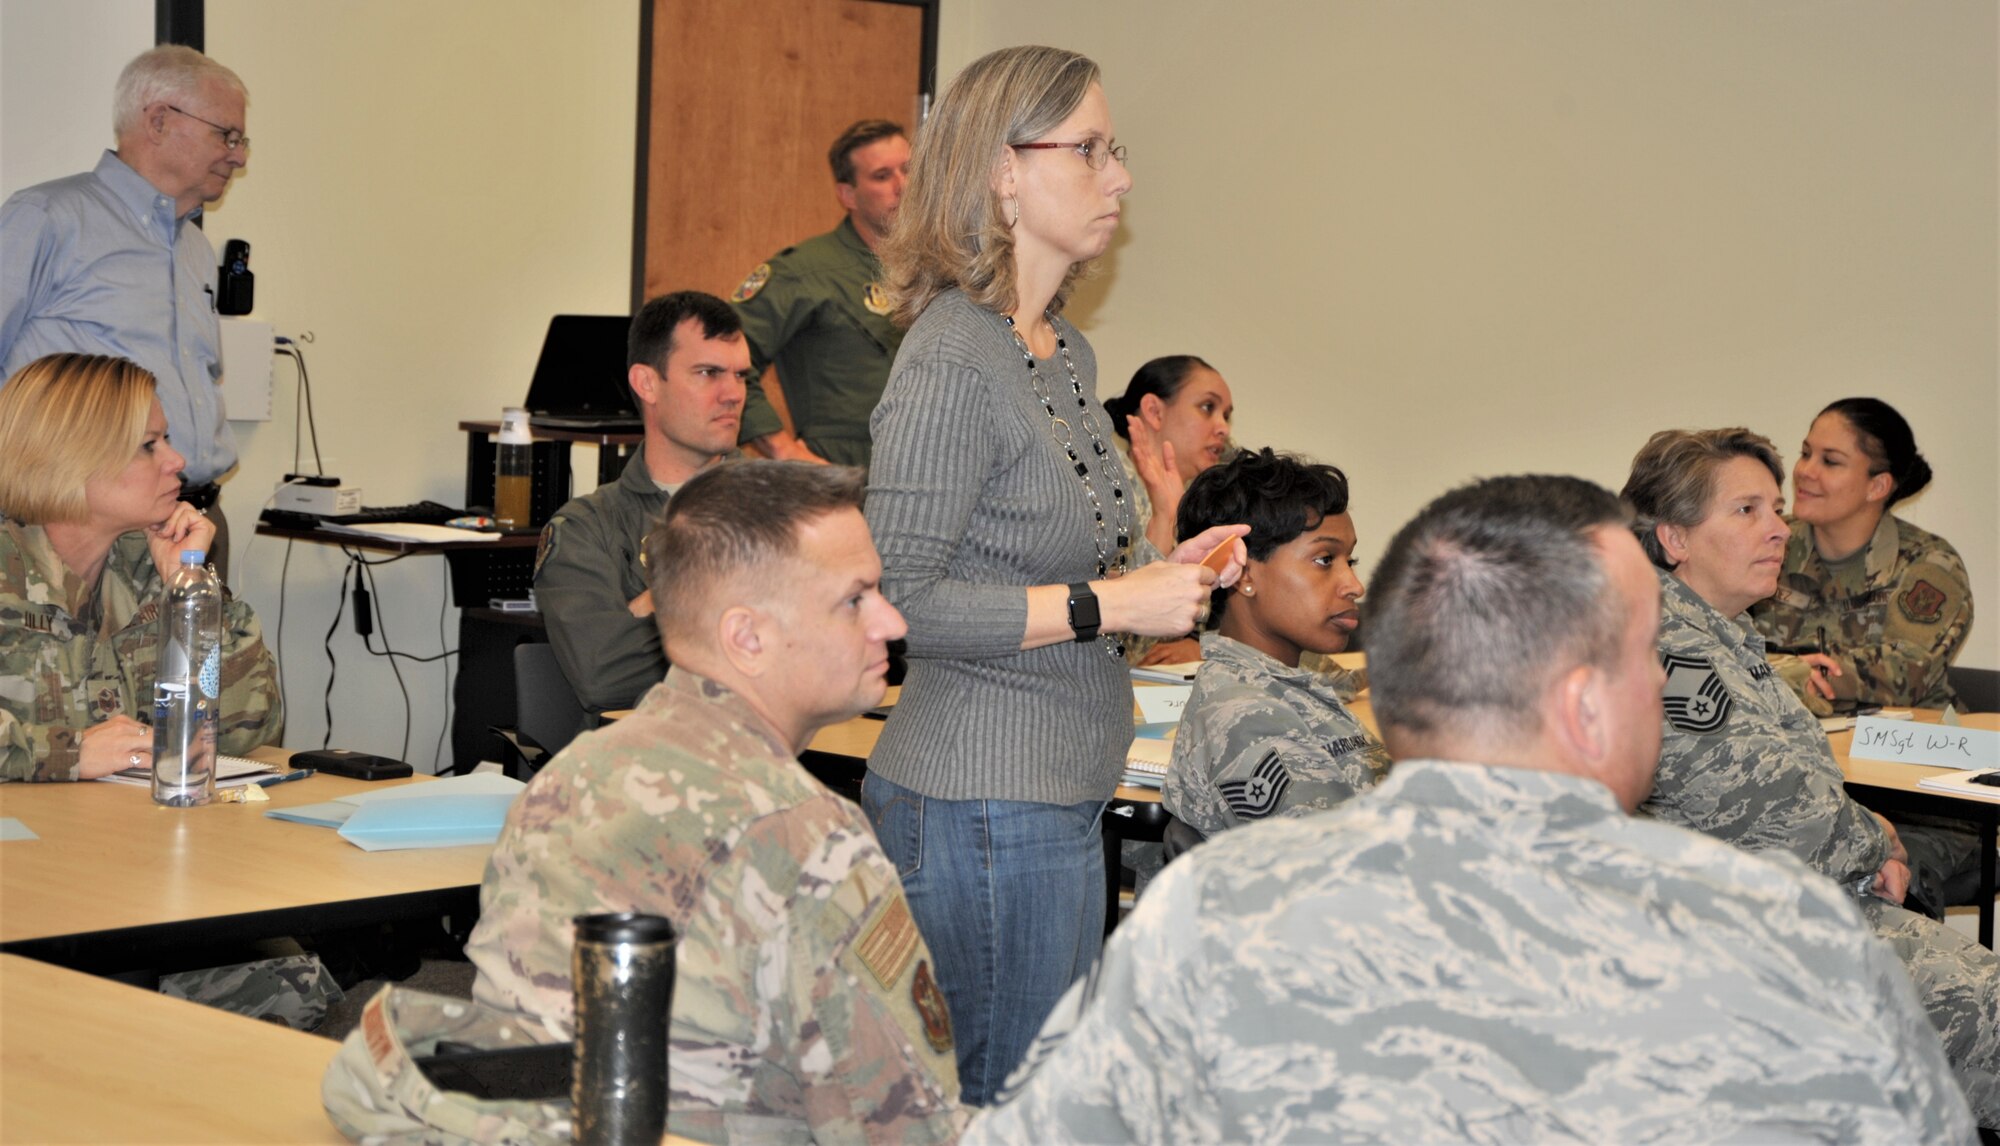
[[688, 366], [818, 312]]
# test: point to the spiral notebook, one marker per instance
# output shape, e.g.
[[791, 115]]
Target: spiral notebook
[[230, 772]]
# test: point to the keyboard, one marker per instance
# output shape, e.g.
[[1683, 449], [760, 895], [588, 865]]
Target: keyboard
[[423, 512]]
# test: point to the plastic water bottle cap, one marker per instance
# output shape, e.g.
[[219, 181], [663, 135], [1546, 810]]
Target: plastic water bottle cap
[[193, 556]]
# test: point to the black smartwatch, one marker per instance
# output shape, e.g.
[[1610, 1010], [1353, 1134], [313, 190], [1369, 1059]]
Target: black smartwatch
[[1084, 618]]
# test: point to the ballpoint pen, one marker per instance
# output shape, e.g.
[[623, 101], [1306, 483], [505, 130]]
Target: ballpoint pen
[[286, 778]]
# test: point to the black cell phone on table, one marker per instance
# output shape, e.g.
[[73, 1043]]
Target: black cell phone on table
[[357, 765]]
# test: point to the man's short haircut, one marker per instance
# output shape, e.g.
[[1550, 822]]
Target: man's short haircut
[[858, 135], [1673, 478], [734, 526], [651, 338], [1484, 597], [65, 419], [1279, 496], [167, 73]]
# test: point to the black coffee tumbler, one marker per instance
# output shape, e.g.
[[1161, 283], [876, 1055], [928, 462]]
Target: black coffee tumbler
[[623, 969]]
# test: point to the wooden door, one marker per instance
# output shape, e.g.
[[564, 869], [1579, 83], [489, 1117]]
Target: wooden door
[[743, 99]]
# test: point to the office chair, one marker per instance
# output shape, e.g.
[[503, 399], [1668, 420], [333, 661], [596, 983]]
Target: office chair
[[1179, 838], [1978, 688], [547, 715]]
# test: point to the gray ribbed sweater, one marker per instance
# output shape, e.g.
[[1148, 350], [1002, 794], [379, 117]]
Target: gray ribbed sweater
[[971, 501]]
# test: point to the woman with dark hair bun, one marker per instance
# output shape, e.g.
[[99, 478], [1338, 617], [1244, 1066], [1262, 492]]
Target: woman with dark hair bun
[[1173, 419], [1172, 423], [1874, 607]]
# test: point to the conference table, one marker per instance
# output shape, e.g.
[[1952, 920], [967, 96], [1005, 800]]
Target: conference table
[[114, 882], [86, 1059], [1891, 787], [80, 1058]]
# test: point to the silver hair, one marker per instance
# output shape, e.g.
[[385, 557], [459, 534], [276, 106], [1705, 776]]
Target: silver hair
[[166, 72]]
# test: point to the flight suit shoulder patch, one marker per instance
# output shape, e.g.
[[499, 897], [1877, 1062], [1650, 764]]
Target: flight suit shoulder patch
[[752, 284], [545, 548]]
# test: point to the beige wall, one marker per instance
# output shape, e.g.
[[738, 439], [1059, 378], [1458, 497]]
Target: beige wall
[[58, 63], [1428, 241], [430, 182]]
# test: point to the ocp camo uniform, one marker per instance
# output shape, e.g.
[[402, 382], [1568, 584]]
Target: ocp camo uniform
[[71, 657], [1892, 615], [806, 1005]]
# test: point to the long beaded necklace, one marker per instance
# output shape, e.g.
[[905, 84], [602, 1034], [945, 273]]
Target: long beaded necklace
[[1110, 558]]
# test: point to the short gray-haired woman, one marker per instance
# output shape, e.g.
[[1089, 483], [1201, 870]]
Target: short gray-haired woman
[[90, 522], [1004, 518], [1742, 759]]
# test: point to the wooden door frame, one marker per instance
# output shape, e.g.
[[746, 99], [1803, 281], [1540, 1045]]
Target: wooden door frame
[[926, 92]]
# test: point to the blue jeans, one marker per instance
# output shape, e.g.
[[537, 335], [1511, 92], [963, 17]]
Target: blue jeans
[[1010, 898]]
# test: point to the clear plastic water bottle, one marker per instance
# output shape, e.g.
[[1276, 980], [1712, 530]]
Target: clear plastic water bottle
[[513, 471], [187, 696]]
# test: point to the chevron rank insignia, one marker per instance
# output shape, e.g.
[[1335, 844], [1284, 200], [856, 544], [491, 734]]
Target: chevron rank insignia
[[1697, 701], [1257, 795]]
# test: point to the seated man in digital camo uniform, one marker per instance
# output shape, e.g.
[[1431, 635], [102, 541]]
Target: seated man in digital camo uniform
[[1484, 947]]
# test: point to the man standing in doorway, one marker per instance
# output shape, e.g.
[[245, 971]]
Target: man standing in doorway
[[818, 311], [111, 262]]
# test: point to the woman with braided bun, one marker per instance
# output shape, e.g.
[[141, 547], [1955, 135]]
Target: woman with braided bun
[[1877, 607]]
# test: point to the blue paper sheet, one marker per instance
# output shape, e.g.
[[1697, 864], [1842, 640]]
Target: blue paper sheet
[[428, 822], [440, 814]]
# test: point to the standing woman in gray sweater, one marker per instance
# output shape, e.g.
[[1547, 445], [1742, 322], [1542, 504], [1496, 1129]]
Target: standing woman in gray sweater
[[1004, 519]]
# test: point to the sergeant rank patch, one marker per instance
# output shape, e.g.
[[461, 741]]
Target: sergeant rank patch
[[1922, 603], [753, 284], [1696, 699], [1257, 795]]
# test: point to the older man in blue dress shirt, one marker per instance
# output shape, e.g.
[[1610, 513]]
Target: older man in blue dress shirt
[[109, 262]]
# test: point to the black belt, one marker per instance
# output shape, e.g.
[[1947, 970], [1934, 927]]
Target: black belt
[[202, 496]]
